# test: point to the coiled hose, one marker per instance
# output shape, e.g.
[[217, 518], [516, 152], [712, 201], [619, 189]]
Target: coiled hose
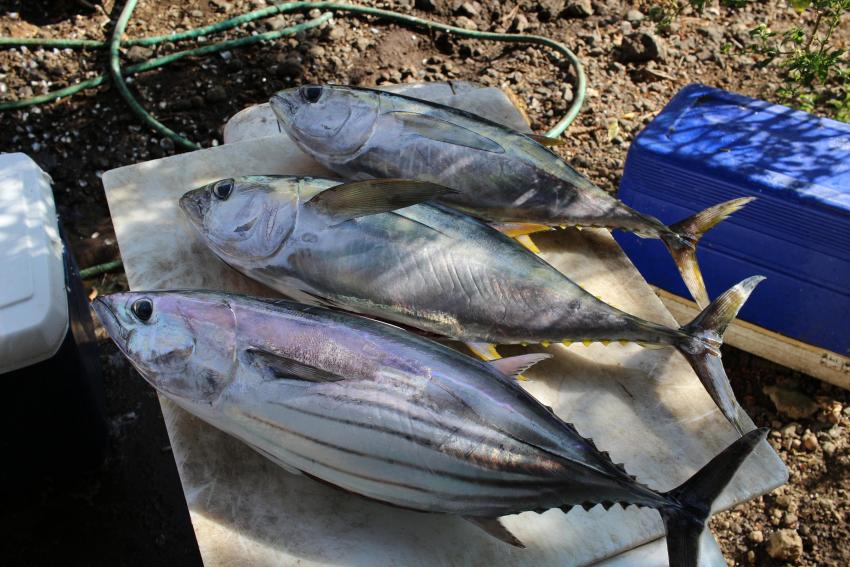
[[117, 73]]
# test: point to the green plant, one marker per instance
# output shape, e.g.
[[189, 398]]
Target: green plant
[[814, 69], [666, 11]]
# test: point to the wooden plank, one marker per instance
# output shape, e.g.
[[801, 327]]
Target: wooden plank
[[821, 363]]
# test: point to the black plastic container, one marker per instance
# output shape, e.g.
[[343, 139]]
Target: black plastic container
[[53, 419]]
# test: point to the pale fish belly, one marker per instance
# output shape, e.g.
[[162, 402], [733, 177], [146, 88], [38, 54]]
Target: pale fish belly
[[372, 439]]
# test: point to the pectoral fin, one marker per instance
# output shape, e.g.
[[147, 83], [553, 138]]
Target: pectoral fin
[[282, 464], [495, 528], [514, 366], [276, 367], [373, 196], [447, 132]]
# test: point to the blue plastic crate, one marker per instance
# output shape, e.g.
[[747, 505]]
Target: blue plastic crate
[[707, 146]]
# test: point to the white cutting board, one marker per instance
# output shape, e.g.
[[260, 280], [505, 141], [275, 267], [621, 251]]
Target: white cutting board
[[646, 407]]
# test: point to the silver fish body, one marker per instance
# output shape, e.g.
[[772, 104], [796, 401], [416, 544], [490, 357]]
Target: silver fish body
[[426, 266], [381, 412], [501, 175]]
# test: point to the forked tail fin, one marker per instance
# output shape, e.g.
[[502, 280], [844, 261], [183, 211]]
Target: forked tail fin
[[682, 243], [702, 349], [690, 506]]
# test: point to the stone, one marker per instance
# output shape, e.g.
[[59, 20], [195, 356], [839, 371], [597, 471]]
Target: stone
[[634, 16], [785, 545], [810, 441], [216, 94], [466, 23], [288, 66], [520, 23], [791, 403], [641, 47], [221, 5], [549, 9], [426, 5], [139, 53], [829, 448], [316, 52], [336, 33], [756, 536], [715, 33], [276, 23], [790, 430], [579, 9], [471, 9]]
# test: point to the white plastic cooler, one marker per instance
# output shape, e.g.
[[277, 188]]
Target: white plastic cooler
[[49, 371]]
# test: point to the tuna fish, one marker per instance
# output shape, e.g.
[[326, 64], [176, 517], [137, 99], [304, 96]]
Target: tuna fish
[[501, 175], [388, 415], [368, 247]]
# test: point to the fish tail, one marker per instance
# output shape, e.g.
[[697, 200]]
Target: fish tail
[[702, 346], [682, 241], [690, 504]]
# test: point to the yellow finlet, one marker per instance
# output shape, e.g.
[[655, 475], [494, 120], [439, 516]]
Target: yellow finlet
[[514, 229], [566, 343], [586, 342], [526, 241], [484, 351], [545, 344], [623, 342], [605, 342]]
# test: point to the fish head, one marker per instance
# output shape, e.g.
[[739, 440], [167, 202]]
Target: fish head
[[244, 218], [327, 121], [182, 343]]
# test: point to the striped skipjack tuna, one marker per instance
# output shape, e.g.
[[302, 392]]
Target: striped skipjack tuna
[[501, 175], [361, 246], [386, 414]]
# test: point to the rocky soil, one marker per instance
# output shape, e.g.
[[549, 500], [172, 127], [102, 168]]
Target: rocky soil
[[632, 70]]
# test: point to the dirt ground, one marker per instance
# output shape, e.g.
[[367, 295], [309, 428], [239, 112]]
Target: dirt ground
[[130, 511]]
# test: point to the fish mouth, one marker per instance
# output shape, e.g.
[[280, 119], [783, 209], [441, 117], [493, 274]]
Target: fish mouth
[[282, 107], [105, 312], [195, 204]]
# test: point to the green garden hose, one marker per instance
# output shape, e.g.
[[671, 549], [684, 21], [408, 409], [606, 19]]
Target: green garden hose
[[117, 73], [557, 130]]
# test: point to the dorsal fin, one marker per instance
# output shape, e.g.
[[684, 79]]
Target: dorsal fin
[[373, 196], [276, 367], [513, 366], [497, 529]]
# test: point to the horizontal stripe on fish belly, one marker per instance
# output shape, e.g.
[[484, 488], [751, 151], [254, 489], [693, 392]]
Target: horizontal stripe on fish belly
[[504, 495], [430, 444]]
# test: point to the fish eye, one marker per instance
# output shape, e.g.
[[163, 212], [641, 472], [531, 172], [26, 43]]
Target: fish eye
[[143, 309], [223, 189], [311, 93]]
